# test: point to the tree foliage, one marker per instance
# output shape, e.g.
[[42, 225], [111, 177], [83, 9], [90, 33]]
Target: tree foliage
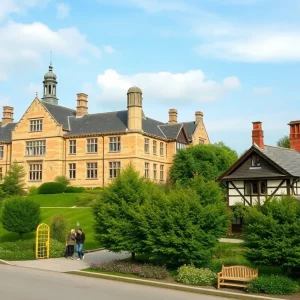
[[272, 233], [62, 180], [284, 142], [20, 215], [13, 183], [59, 228], [178, 224], [210, 161]]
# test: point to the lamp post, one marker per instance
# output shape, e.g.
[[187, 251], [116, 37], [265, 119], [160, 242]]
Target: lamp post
[[78, 224]]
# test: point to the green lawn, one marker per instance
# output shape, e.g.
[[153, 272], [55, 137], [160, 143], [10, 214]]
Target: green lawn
[[83, 215], [57, 200]]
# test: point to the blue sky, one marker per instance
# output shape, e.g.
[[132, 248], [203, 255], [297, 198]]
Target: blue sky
[[235, 60]]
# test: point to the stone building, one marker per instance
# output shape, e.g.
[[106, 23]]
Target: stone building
[[90, 149]]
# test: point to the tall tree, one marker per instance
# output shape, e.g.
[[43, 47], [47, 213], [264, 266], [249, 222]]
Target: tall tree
[[209, 161], [284, 142], [13, 183]]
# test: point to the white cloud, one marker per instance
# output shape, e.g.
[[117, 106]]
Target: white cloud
[[263, 91], [109, 49], [191, 86], [19, 7], [23, 45], [62, 10]]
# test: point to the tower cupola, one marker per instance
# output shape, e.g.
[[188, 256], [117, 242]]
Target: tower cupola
[[49, 90]]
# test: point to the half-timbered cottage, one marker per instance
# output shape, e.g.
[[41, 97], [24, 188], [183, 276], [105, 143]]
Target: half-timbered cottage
[[263, 172]]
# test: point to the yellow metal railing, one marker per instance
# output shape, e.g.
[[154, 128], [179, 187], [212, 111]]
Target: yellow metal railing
[[42, 243]]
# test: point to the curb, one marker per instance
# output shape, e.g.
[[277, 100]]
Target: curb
[[172, 286], [94, 250], [3, 262]]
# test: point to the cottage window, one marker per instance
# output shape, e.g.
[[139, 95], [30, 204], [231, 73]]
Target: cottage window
[[255, 188], [36, 148], [92, 170], [154, 147], [92, 145], [72, 146], [161, 149], [115, 144], [1, 174], [36, 125], [255, 161], [35, 172], [146, 145], [201, 141], [161, 172], [114, 169], [147, 170], [1, 152], [180, 146], [72, 171]]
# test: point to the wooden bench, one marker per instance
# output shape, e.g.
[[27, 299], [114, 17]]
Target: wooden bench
[[236, 276]]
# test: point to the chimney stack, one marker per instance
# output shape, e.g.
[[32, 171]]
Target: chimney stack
[[82, 105], [173, 116], [258, 135], [198, 117], [295, 135], [8, 115]]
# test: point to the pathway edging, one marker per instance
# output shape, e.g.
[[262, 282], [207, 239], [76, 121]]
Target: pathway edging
[[172, 286]]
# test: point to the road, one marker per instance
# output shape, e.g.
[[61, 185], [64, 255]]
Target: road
[[30, 284]]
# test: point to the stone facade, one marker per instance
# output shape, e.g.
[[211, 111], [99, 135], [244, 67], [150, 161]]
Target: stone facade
[[51, 140]]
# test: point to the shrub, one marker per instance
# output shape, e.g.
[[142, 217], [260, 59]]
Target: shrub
[[13, 183], [17, 250], [273, 284], [85, 200], [33, 190], [127, 267], [74, 189], [191, 275], [20, 215], [51, 188], [57, 249], [62, 180], [58, 228]]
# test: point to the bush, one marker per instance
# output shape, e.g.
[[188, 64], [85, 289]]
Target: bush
[[58, 228], [20, 215], [57, 249], [74, 189], [85, 200], [191, 275], [33, 190], [273, 284], [126, 267], [62, 180], [13, 183], [51, 188]]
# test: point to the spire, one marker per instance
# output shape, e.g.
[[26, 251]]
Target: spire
[[50, 84]]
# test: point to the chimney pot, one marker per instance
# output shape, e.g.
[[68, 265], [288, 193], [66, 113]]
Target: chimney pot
[[173, 116], [8, 115], [198, 117], [82, 105], [295, 135], [258, 135]]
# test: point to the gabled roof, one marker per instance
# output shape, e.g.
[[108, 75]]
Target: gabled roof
[[190, 128], [285, 160], [6, 132], [60, 113], [171, 131]]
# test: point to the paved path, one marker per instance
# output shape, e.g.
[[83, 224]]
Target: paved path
[[233, 241], [63, 264], [25, 284]]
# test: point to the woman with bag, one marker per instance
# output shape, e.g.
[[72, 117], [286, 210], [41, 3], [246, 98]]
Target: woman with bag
[[70, 244]]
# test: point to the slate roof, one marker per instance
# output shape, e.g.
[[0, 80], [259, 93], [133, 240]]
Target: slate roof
[[6, 131], [287, 159], [102, 123]]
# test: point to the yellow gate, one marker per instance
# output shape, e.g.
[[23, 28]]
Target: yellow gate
[[42, 243]]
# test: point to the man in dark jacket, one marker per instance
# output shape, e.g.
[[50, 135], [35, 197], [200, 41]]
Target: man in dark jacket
[[80, 238]]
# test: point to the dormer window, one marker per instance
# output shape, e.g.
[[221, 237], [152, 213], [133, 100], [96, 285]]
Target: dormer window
[[255, 161], [36, 125]]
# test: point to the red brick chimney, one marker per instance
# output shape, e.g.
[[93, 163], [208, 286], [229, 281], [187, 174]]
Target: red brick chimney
[[258, 135], [295, 135]]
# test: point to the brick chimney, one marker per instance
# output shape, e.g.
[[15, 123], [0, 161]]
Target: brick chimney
[[258, 135], [172, 116], [295, 135], [82, 105], [8, 115], [198, 117]]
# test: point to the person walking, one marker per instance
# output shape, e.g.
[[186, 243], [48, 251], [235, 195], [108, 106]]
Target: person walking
[[80, 238], [70, 243]]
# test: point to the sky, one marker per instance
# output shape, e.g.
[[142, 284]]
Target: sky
[[237, 61]]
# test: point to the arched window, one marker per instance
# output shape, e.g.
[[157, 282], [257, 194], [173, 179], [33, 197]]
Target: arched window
[[49, 89]]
